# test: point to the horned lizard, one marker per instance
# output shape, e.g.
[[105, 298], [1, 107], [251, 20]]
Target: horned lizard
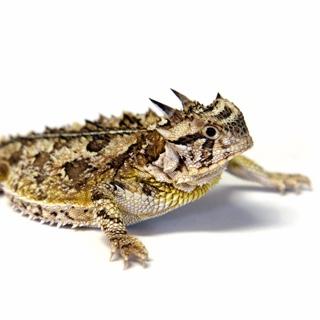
[[117, 171]]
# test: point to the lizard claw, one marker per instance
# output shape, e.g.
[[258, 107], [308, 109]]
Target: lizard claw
[[129, 246], [111, 255], [125, 263], [113, 251]]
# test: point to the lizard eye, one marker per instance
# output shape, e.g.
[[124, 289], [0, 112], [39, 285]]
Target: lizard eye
[[211, 132]]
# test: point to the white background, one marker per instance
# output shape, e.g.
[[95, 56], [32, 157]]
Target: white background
[[239, 253]]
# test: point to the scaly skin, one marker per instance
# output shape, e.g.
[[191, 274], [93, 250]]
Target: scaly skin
[[114, 172]]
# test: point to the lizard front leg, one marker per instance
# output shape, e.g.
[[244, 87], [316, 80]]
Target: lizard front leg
[[109, 217], [247, 169]]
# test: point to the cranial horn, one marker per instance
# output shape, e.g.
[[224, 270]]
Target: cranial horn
[[219, 96], [166, 109], [184, 100]]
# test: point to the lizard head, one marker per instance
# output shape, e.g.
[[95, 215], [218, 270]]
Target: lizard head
[[200, 140]]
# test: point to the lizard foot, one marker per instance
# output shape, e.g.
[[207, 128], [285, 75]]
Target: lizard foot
[[128, 246], [290, 182]]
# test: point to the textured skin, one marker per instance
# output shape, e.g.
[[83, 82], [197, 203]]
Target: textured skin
[[117, 171]]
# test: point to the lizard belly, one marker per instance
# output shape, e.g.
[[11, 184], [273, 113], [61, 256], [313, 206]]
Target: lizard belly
[[140, 206]]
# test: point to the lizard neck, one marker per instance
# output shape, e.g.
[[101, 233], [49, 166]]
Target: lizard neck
[[175, 197]]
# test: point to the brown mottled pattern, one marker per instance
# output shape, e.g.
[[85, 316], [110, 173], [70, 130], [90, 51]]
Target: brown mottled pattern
[[117, 171]]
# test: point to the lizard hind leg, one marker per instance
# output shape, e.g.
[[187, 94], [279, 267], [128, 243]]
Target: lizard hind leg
[[247, 169], [109, 218]]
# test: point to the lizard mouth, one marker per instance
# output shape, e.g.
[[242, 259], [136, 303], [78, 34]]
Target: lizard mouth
[[235, 149], [220, 159], [223, 155]]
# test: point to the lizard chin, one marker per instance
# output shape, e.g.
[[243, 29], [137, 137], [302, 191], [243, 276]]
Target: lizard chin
[[190, 182], [190, 178]]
